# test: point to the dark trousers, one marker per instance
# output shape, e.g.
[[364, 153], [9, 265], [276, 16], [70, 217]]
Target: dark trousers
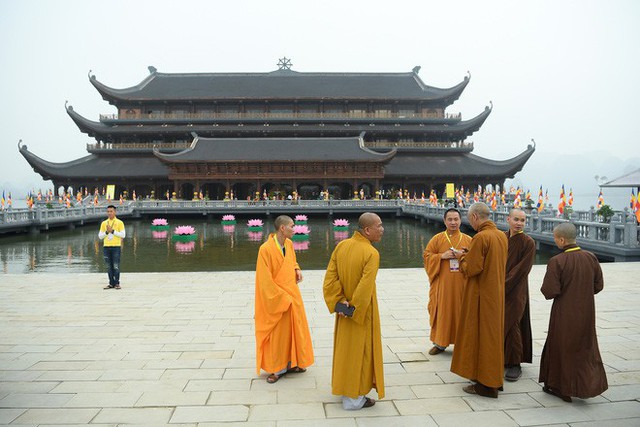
[[112, 260]]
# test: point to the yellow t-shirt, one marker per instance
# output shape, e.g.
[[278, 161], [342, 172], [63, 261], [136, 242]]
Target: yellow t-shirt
[[117, 225]]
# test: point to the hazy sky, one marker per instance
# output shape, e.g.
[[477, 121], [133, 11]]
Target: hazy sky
[[562, 72]]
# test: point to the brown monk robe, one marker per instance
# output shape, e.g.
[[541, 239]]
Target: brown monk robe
[[571, 364], [517, 321], [357, 342], [446, 282], [479, 348], [283, 341]]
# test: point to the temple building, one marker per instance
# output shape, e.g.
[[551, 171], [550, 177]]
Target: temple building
[[276, 133]]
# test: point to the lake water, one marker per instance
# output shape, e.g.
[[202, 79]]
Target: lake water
[[216, 248]]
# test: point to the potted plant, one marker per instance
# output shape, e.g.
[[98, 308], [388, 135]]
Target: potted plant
[[606, 213]]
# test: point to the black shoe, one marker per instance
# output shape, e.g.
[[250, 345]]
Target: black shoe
[[513, 373]]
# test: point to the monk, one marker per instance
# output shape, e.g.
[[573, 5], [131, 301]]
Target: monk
[[446, 282], [571, 364], [283, 341], [350, 280], [518, 341], [479, 349]]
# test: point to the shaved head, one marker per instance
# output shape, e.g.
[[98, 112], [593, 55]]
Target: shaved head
[[367, 219], [282, 220], [480, 209], [567, 231], [515, 210]]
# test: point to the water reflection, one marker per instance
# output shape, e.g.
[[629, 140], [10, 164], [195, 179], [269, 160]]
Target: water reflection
[[228, 228], [217, 248]]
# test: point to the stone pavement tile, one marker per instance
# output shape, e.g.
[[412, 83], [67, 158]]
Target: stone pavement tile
[[412, 378], [25, 348], [57, 415], [213, 354], [543, 416], [476, 419], [434, 364], [152, 355], [158, 386], [103, 400], [382, 408], [35, 400], [8, 415], [406, 421], [18, 364], [27, 387], [173, 364], [204, 414], [449, 377], [334, 422], [432, 406], [610, 411], [628, 422], [192, 374], [617, 378], [175, 398], [547, 400], [287, 383], [523, 385], [503, 402], [239, 424], [70, 375], [399, 392], [394, 368], [623, 392], [19, 375], [153, 416], [243, 398], [287, 411], [234, 373], [108, 355], [415, 356], [221, 385], [59, 366], [131, 374], [438, 390]]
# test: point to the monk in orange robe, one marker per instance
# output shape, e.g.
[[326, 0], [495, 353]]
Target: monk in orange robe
[[283, 341], [350, 280], [446, 282], [479, 350]]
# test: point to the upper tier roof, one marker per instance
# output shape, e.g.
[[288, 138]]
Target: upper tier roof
[[632, 179], [350, 149], [280, 84]]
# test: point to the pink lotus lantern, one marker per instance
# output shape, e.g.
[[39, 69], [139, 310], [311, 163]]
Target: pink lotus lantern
[[228, 220], [160, 224], [185, 247], [302, 245], [184, 233], [340, 224], [255, 224], [300, 219], [300, 232]]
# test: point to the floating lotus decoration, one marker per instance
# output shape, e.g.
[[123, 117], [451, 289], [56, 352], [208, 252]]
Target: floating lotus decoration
[[255, 236], [302, 245], [339, 236], [185, 247], [160, 224], [300, 219], [159, 234], [255, 224], [340, 224], [184, 233], [300, 232], [228, 220]]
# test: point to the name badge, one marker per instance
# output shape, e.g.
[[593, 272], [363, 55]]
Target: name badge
[[454, 265]]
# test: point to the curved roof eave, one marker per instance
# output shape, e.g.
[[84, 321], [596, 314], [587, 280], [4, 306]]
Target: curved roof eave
[[49, 170], [112, 95], [508, 167], [84, 124]]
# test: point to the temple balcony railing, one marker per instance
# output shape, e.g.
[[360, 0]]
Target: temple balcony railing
[[279, 115], [138, 146], [467, 145]]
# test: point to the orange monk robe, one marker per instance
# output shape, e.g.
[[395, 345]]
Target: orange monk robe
[[282, 331], [479, 350], [357, 341], [445, 286]]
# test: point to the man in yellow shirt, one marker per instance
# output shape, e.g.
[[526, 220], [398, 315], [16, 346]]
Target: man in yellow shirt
[[350, 282], [112, 232]]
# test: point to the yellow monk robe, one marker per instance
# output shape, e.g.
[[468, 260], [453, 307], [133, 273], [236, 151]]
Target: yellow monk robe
[[479, 349], [357, 342], [282, 331], [446, 284]]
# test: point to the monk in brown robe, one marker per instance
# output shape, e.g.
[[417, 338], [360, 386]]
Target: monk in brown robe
[[446, 282], [571, 364], [517, 321], [283, 341], [479, 349], [350, 281]]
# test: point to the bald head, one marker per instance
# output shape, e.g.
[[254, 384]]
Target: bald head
[[367, 219], [480, 209], [567, 231], [370, 226], [282, 220], [516, 212]]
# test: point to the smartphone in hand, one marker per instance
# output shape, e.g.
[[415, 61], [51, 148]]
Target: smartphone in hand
[[347, 310]]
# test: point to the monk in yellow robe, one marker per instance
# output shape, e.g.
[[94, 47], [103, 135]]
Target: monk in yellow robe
[[446, 282], [479, 350], [283, 341], [350, 281]]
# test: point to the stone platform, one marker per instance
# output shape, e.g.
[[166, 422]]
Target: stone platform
[[178, 349]]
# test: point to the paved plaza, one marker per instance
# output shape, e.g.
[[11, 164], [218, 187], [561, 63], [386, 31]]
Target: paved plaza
[[178, 349]]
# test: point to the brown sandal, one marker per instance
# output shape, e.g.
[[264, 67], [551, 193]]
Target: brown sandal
[[273, 378], [368, 403]]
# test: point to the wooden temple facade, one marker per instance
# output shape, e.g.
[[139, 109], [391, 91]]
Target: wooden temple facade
[[277, 133]]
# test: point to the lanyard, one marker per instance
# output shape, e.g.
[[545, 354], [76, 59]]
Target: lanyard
[[447, 236], [577, 248]]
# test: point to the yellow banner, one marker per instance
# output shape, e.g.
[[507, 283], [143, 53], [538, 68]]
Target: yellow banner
[[451, 191], [111, 192]]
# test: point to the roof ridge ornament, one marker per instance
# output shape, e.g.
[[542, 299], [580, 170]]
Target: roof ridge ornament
[[152, 69], [284, 63], [416, 69]]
